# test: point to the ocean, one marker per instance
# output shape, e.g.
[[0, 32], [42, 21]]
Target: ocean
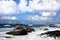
[[31, 36]]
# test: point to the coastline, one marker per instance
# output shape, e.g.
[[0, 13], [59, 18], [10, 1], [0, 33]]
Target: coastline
[[30, 36]]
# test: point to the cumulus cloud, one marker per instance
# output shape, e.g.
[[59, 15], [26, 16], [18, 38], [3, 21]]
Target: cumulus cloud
[[48, 13], [39, 5], [44, 5], [46, 16], [35, 17], [23, 6], [47, 8], [8, 18], [39, 18], [8, 7]]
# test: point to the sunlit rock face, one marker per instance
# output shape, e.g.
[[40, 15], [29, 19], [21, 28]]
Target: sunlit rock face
[[8, 6]]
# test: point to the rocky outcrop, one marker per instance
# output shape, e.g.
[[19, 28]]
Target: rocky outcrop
[[52, 25], [46, 29], [30, 29], [20, 30], [55, 25], [20, 27], [54, 34]]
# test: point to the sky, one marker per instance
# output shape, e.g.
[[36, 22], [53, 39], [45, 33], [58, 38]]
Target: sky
[[30, 11]]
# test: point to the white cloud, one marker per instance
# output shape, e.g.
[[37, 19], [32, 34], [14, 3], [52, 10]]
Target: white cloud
[[8, 7], [48, 13], [9, 18], [46, 16], [36, 18], [13, 18], [39, 18], [45, 5], [6, 0], [22, 6], [48, 8]]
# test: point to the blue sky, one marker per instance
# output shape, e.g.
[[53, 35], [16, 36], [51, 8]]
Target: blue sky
[[30, 11]]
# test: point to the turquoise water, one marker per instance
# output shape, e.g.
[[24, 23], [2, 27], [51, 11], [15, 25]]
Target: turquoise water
[[5, 29], [2, 28], [8, 29]]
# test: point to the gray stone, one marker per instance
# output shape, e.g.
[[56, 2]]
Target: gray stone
[[20, 30]]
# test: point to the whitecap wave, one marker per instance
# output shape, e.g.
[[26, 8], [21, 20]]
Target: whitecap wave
[[31, 36]]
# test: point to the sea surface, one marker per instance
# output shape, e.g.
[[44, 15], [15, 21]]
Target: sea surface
[[31, 36]]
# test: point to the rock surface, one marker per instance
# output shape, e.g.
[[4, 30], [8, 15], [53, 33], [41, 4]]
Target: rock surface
[[46, 29], [20, 30], [52, 25], [30, 29], [55, 25], [54, 34]]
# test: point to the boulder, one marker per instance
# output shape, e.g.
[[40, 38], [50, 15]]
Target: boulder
[[20, 30], [46, 29], [20, 27], [30, 29], [55, 25], [54, 34], [52, 25]]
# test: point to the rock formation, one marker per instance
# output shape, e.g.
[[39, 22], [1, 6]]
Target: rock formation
[[20, 30], [54, 34]]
